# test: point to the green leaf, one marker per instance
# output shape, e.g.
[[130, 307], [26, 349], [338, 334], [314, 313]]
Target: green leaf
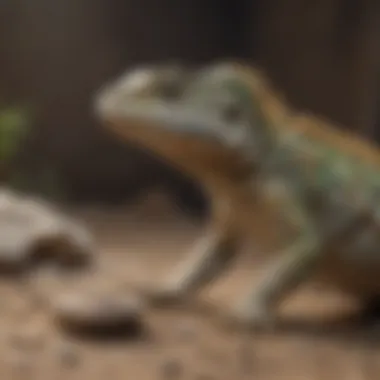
[[13, 128]]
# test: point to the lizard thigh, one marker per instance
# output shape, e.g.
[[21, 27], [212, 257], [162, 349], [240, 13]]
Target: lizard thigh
[[354, 265]]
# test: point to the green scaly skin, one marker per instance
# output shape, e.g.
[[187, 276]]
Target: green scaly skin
[[211, 125]]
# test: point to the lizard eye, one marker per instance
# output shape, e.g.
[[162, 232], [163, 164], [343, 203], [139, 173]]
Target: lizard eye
[[170, 91], [172, 82], [232, 112]]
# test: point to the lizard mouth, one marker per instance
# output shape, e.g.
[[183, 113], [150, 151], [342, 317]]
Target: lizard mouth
[[187, 136]]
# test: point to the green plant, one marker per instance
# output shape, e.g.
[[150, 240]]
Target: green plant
[[13, 129]]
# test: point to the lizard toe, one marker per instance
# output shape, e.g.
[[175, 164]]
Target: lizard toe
[[252, 317]]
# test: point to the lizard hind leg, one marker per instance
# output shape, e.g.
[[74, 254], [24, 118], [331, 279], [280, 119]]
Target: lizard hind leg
[[298, 263], [210, 256]]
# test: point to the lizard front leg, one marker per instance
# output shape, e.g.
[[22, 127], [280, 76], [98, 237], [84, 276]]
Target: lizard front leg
[[283, 277], [212, 254], [296, 264]]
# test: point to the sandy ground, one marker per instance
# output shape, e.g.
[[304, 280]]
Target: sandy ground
[[144, 243]]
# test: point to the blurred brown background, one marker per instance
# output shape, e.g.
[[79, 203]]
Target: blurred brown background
[[324, 54]]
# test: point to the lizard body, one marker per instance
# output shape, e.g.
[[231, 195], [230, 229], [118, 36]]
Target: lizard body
[[252, 153]]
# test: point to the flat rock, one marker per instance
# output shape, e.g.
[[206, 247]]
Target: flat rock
[[31, 229], [100, 314]]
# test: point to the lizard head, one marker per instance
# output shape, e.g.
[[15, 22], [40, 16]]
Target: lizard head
[[200, 120]]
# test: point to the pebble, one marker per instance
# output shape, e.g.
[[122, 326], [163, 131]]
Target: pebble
[[83, 313]]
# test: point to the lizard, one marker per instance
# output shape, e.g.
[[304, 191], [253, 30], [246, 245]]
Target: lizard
[[228, 127]]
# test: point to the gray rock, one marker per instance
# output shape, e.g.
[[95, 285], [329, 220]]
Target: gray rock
[[31, 229], [100, 314]]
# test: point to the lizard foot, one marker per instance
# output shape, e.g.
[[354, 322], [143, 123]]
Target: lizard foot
[[251, 316], [166, 295]]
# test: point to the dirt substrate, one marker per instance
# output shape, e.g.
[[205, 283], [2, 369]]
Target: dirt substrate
[[138, 245]]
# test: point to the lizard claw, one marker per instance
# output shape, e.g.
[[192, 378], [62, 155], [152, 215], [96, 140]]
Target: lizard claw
[[251, 316]]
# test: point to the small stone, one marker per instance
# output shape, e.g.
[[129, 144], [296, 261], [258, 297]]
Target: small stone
[[101, 315], [171, 369]]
